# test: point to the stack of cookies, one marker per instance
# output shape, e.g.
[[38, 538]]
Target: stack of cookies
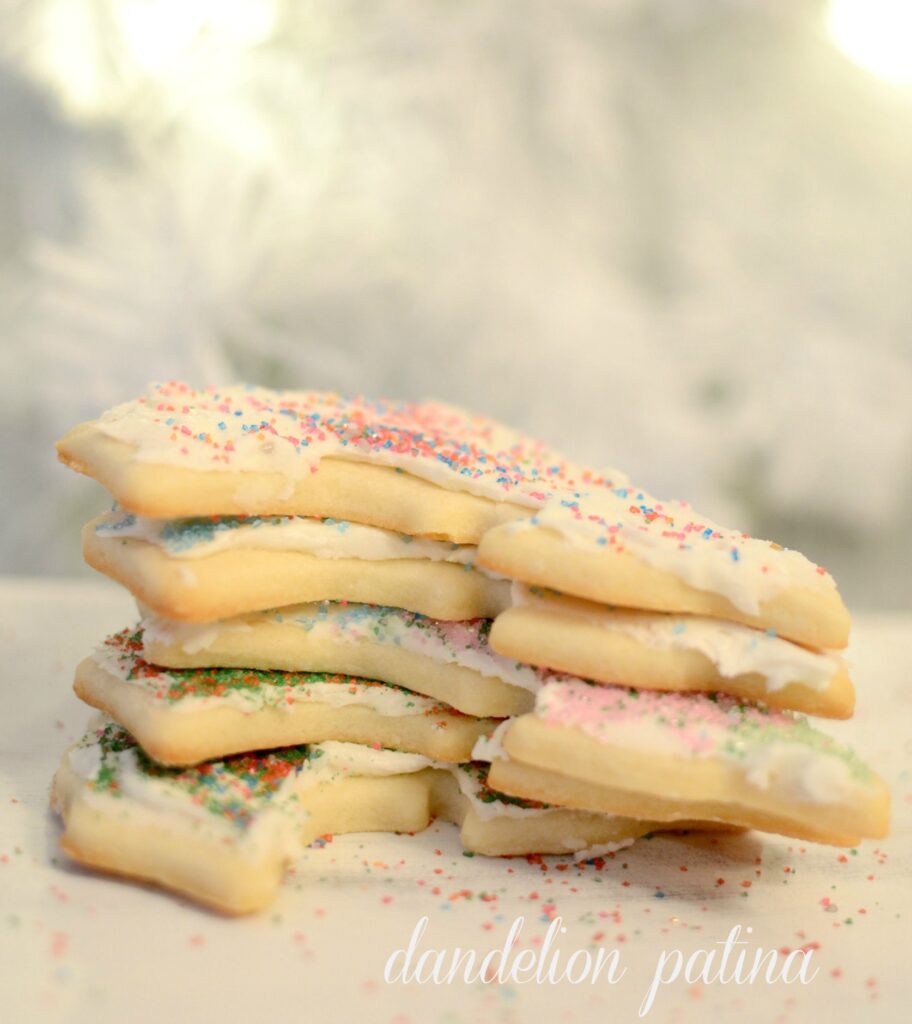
[[698, 644], [317, 578]]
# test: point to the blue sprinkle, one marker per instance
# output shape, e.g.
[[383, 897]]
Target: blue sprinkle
[[735, 555], [679, 629]]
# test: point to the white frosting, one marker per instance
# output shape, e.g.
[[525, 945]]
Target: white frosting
[[472, 789], [600, 850], [322, 538], [274, 828], [490, 748], [343, 691], [191, 637], [339, 758], [287, 433], [773, 751], [734, 649], [85, 761], [671, 536], [275, 823], [797, 773], [356, 759], [452, 643]]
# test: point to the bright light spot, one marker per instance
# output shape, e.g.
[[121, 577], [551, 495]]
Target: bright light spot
[[157, 34], [187, 58], [877, 34], [69, 56]]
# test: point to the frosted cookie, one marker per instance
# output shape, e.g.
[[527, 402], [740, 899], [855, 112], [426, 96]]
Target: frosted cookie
[[489, 749], [223, 833], [656, 651], [623, 547], [668, 756], [499, 825], [205, 569], [184, 716], [449, 661], [421, 468]]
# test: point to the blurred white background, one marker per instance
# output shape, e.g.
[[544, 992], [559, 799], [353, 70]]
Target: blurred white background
[[670, 235]]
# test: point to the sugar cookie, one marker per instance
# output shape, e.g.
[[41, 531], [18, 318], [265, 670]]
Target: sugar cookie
[[499, 825], [184, 716], [224, 832], [420, 468], [623, 547], [669, 756], [449, 661], [659, 651], [205, 569]]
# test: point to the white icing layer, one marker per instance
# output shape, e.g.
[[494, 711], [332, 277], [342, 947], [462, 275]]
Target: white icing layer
[[269, 689], [322, 538], [85, 760], [797, 773], [453, 643], [271, 828], [352, 759], [773, 750], [191, 637], [287, 433], [486, 803], [274, 822], [671, 536], [601, 850], [490, 748], [734, 649], [270, 820]]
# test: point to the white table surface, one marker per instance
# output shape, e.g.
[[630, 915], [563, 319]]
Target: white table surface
[[75, 946]]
